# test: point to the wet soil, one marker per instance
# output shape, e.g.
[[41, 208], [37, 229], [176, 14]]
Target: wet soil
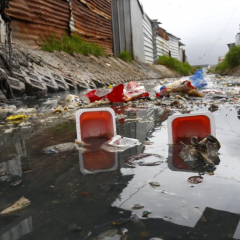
[[84, 195]]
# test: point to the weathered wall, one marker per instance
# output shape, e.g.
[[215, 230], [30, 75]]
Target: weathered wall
[[34, 20], [92, 19], [121, 25]]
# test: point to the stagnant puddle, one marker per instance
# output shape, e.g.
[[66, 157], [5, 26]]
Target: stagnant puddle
[[102, 195]]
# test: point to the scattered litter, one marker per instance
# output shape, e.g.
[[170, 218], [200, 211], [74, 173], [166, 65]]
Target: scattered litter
[[154, 184], [205, 150], [16, 183], [146, 213], [138, 206], [15, 117], [26, 111], [59, 148], [20, 204], [9, 130], [107, 234], [144, 159], [123, 142], [195, 179]]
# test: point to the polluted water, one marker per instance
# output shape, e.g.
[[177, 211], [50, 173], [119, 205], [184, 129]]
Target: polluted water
[[143, 192]]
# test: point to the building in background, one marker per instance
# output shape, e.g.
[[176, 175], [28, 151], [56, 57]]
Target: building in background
[[136, 32], [116, 25]]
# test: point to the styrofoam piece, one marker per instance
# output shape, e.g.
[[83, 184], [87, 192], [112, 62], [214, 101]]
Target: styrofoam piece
[[188, 125], [95, 122]]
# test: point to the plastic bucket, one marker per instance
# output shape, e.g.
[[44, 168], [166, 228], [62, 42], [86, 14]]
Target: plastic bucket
[[182, 128], [95, 122]]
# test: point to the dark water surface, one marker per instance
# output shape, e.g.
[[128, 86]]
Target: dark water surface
[[64, 197]]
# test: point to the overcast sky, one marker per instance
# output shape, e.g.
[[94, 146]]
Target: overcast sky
[[204, 26]]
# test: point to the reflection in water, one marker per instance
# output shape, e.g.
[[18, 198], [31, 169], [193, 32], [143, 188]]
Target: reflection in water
[[176, 163], [205, 211], [95, 159], [17, 231], [16, 157]]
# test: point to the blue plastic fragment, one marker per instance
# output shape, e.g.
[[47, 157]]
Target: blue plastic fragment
[[198, 80]]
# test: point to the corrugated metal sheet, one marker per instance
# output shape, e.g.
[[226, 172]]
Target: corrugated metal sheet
[[37, 19], [162, 33], [237, 39], [91, 25], [148, 39], [121, 24], [49, 12], [174, 46], [137, 31], [128, 28], [162, 46]]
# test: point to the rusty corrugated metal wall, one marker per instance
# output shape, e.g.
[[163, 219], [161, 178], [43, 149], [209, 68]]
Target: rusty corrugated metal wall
[[92, 19], [36, 19]]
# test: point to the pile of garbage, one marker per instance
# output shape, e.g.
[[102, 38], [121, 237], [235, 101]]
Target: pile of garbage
[[182, 87], [118, 93]]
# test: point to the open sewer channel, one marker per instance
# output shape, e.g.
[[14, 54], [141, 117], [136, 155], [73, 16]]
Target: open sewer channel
[[103, 195]]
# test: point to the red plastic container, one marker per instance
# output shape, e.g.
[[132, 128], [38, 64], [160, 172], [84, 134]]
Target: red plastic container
[[95, 122], [182, 128]]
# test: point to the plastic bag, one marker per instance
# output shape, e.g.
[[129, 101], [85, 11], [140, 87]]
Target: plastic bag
[[184, 87], [198, 80], [114, 95], [123, 142], [131, 86]]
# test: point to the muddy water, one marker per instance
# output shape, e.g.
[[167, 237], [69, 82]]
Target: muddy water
[[96, 190]]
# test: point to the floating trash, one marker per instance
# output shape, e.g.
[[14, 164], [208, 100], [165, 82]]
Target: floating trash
[[154, 184], [195, 179], [16, 183], [138, 206], [144, 159], [20, 204]]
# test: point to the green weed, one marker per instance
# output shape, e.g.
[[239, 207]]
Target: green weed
[[125, 56], [231, 60], [71, 44], [183, 69]]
